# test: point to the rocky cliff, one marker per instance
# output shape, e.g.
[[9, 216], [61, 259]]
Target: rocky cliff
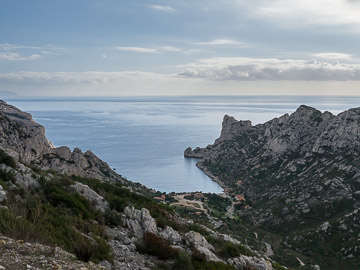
[[25, 138], [299, 175]]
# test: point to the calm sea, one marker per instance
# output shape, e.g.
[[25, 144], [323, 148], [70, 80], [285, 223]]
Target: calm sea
[[144, 138]]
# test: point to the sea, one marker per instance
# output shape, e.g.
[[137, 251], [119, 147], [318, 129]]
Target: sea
[[144, 138]]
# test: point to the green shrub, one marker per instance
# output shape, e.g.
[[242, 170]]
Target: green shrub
[[277, 266], [158, 246], [83, 249], [229, 250], [183, 262], [7, 176], [6, 159], [212, 266]]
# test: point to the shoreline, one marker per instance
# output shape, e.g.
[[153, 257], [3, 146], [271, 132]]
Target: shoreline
[[211, 176]]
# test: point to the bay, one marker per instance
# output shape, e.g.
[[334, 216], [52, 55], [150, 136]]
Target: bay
[[144, 138]]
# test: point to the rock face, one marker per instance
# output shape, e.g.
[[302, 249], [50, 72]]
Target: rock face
[[199, 242], [92, 196], [20, 134], [298, 171], [139, 221]]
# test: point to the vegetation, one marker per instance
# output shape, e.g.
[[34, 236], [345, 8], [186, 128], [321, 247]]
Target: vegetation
[[53, 214], [6, 159]]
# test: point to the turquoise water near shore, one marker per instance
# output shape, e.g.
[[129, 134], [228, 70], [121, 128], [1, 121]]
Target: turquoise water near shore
[[144, 138]]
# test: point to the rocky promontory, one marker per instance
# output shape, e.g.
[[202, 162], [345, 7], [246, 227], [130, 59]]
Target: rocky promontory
[[296, 173]]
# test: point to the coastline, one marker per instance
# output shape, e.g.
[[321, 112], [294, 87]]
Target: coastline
[[211, 176]]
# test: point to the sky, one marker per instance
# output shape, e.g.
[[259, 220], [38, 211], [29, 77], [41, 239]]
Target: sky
[[163, 47]]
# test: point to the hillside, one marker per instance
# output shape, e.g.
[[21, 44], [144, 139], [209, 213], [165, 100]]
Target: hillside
[[63, 209], [299, 175]]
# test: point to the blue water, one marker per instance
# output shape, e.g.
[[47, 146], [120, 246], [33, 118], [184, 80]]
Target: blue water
[[144, 138]]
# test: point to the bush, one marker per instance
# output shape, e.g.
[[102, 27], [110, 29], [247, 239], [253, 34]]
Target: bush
[[158, 246], [277, 266], [7, 176], [6, 159], [229, 250], [83, 249], [183, 262]]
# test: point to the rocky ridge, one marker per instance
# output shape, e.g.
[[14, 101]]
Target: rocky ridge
[[25, 139], [296, 172]]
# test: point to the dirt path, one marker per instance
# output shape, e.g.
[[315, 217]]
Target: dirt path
[[189, 203]]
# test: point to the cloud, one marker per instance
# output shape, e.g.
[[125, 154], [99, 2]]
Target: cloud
[[170, 49], [10, 56], [14, 52], [249, 69], [333, 56], [89, 77], [305, 12], [137, 49], [219, 42], [162, 8]]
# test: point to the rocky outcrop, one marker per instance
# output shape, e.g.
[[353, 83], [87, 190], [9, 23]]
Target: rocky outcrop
[[196, 240], [253, 262], [2, 194], [25, 138], [139, 221], [172, 236], [20, 255], [297, 172], [92, 196]]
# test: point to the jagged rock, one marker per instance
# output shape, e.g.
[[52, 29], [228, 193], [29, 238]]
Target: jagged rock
[[2, 194], [25, 140], [140, 221], [257, 263], [199, 242], [92, 196], [302, 168], [171, 235]]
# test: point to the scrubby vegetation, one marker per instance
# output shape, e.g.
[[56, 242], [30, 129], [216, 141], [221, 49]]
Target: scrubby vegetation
[[55, 215], [6, 159]]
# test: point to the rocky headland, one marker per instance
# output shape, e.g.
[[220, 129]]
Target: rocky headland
[[300, 177]]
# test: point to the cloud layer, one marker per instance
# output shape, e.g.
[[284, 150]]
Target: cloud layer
[[249, 69], [322, 12]]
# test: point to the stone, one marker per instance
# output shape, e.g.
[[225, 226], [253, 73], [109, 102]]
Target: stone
[[92, 196]]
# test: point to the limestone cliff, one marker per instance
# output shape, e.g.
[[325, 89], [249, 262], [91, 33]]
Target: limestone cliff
[[26, 139], [296, 172]]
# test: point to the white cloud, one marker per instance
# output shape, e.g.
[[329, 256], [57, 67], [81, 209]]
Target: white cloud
[[333, 56], [308, 12], [220, 42], [14, 52], [162, 8], [11, 56], [89, 77], [137, 49], [170, 49], [249, 69], [147, 83]]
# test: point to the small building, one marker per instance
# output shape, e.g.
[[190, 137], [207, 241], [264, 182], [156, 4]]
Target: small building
[[240, 198], [239, 182], [199, 196], [159, 199], [163, 196], [198, 213]]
